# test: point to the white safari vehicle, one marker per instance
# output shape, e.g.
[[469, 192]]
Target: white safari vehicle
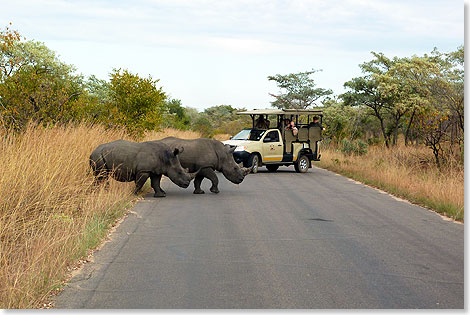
[[272, 145]]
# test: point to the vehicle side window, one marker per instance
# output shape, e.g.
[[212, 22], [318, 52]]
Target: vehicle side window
[[272, 136]]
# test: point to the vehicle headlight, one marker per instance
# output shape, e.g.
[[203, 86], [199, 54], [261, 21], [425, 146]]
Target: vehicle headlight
[[240, 148]]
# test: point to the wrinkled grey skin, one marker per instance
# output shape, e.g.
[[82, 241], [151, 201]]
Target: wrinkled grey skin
[[208, 155], [129, 161]]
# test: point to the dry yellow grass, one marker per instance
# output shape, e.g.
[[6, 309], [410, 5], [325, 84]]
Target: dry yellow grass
[[222, 136], [170, 132], [405, 171], [50, 213], [186, 134]]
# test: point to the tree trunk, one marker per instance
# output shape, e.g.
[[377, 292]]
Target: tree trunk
[[407, 133], [386, 138], [395, 135], [435, 150]]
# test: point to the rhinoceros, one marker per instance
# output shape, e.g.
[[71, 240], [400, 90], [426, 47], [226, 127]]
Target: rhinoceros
[[129, 161], [207, 155]]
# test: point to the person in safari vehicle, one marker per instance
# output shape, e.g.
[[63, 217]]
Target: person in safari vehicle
[[290, 125], [293, 140]]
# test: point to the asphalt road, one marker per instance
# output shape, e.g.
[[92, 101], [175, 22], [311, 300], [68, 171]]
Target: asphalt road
[[277, 240]]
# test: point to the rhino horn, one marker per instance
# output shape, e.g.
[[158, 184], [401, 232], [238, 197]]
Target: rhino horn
[[193, 175], [246, 170]]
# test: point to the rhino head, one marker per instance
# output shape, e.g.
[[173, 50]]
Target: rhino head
[[231, 170], [175, 171]]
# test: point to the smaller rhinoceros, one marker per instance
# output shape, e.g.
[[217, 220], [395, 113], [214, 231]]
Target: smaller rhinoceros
[[129, 161], [205, 156]]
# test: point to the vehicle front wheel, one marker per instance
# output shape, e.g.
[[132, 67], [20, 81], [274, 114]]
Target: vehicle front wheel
[[253, 162], [301, 166], [272, 168]]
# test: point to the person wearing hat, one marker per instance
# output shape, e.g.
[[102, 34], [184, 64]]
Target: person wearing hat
[[262, 123]]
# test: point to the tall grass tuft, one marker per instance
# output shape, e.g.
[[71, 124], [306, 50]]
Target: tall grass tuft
[[50, 212], [405, 171]]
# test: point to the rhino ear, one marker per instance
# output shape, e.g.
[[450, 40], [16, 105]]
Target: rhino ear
[[230, 148], [178, 151]]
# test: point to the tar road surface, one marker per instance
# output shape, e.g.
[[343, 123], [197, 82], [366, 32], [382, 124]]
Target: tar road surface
[[277, 240]]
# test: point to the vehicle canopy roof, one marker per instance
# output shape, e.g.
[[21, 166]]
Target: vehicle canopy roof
[[314, 111]]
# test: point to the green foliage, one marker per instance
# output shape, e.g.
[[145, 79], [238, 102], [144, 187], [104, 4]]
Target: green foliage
[[364, 91], [35, 84], [449, 86], [220, 119], [175, 115], [99, 90], [341, 121], [220, 112], [347, 147], [404, 94], [97, 105], [421, 97], [298, 90], [224, 120], [138, 101], [203, 125], [356, 147]]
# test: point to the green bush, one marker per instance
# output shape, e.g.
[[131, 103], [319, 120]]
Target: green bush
[[356, 147], [347, 147], [361, 147], [374, 141]]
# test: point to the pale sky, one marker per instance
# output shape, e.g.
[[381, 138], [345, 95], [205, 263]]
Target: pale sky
[[209, 53]]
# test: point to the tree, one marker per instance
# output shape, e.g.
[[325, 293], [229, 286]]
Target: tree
[[138, 101], [298, 90], [224, 120], [422, 96], [342, 121], [365, 92], [393, 89], [35, 84], [433, 126], [449, 88], [220, 112], [175, 115], [408, 82], [9, 59], [203, 125]]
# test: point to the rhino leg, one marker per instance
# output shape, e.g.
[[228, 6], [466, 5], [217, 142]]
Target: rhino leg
[[197, 184], [212, 176], [155, 180], [140, 180], [206, 173]]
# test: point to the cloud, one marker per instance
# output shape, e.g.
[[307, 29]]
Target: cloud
[[191, 40], [237, 25]]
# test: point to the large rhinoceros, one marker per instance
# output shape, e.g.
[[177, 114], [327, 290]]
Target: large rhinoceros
[[129, 161], [207, 155]]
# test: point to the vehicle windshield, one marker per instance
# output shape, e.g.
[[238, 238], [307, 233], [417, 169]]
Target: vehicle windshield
[[249, 134]]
